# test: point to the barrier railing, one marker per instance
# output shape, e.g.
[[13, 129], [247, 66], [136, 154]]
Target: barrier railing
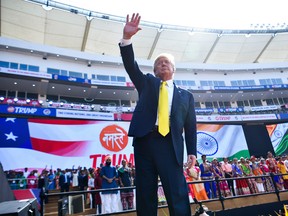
[[220, 198]]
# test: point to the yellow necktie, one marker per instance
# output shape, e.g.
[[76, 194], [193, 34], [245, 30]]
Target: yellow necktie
[[163, 113]]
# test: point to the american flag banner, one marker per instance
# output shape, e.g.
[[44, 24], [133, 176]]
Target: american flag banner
[[61, 143]]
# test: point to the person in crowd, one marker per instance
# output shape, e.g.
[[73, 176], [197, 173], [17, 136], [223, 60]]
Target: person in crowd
[[127, 195], [218, 173], [57, 176], [272, 165], [267, 181], [83, 179], [242, 187], [247, 171], [26, 172], [75, 174], [227, 169], [64, 181], [43, 182], [91, 186], [31, 180], [257, 172], [22, 183], [160, 194], [286, 160], [193, 174], [207, 174], [109, 175], [98, 185], [158, 141], [283, 170], [51, 180]]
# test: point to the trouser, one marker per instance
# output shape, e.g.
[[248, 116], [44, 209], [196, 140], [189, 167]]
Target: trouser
[[155, 156], [109, 203], [230, 183]]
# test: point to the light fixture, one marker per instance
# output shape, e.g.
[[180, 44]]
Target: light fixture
[[71, 105], [61, 104], [69, 89], [101, 108], [15, 83], [89, 17], [2, 99], [28, 101], [50, 103], [15, 100], [92, 107], [40, 102], [82, 106], [46, 6], [89, 64]]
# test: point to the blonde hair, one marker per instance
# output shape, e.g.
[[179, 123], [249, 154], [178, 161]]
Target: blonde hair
[[165, 55]]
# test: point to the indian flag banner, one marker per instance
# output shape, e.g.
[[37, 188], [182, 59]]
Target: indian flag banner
[[279, 137], [220, 141]]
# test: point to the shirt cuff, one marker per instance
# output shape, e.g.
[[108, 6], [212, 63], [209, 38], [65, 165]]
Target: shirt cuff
[[125, 42]]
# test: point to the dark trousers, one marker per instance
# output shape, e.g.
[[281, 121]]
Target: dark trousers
[[154, 155], [230, 184]]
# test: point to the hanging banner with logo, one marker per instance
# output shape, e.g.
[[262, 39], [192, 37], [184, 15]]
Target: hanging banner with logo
[[62, 143], [279, 137]]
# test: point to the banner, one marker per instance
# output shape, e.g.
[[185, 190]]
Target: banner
[[25, 73], [221, 141], [64, 143], [41, 143], [279, 137]]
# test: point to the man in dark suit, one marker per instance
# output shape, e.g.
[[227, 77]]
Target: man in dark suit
[[157, 154], [64, 181]]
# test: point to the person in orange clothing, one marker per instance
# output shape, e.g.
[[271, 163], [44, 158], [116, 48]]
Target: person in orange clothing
[[193, 174], [283, 170]]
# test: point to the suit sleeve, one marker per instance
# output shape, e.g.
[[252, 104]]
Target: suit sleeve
[[190, 128], [131, 66]]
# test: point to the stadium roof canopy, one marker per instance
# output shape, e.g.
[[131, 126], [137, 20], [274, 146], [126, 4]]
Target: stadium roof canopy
[[60, 25]]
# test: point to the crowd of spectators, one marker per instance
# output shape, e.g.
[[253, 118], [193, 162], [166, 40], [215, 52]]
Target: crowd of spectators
[[216, 175]]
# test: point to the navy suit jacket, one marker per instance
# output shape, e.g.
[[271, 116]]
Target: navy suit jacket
[[182, 114]]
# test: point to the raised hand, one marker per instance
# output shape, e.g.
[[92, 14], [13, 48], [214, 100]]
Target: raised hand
[[132, 26]]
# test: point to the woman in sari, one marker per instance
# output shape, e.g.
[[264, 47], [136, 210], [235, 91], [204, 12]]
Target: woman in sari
[[247, 171], [267, 181], [218, 173], [206, 174], [241, 184], [272, 165], [193, 174], [257, 172]]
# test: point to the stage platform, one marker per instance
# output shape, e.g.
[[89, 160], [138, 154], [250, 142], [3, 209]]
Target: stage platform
[[262, 204]]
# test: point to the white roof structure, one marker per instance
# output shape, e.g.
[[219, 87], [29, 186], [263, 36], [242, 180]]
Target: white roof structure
[[68, 27]]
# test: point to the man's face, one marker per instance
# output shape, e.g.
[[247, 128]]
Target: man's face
[[163, 68], [124, 163]]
